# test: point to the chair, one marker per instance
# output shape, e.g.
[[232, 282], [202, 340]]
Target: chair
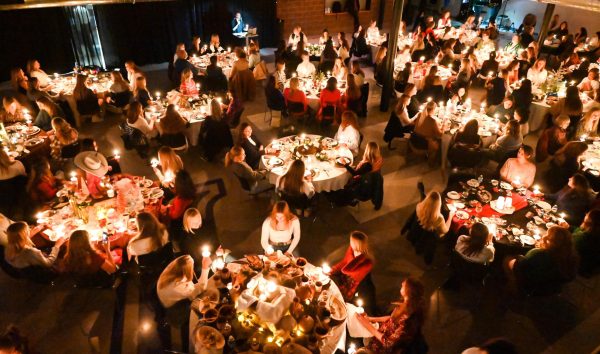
[[467, 271], [328, 114], [70, 151], [177, 142], [296, 110], [122, 99], [13, 194], [370, 187], [246, 186], [424, 241], [463, 156], [296, 202], [235, 120], [364, 97], [133, 138], [153, 263], [418, 144], [6, 267]]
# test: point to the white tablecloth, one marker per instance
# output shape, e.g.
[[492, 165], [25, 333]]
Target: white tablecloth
[[537, 112], [331, 177]]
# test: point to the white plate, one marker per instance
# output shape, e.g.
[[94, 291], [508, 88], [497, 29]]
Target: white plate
[[34, 142], [516, 231], [459, 205], [538, 220], [462, 215], [544, 205], [473, 183], [528, 240], [453, 195], [507, 186], [13, 154], [503, 211]]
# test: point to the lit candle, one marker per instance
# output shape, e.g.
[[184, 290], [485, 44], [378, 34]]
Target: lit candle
[[450, 66], [110, 193], [492, 229], [157, 94], [421, 59], [154, 162], [429, 99], [583, 137], [294, 75], [500, 203], [271, 287], [269, 251], [352, 348], [536, 190], [508, 203], [536, 234], [73, 176], [56, 75], [359, 309], [116, 154], [326, 268], [517, 181], [168, 177], [205, 251], [562, 215], [229, 49], [219, 263]]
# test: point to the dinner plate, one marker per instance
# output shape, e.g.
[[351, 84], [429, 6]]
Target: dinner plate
[[148, 183], [274, 162], [516, 231], [528, 240], [473, 183], [459, 205], [538, 220], [342, 160], [544, 205], [32, 130], [462, 215], [453, 195], [507, 186], [156, 193]]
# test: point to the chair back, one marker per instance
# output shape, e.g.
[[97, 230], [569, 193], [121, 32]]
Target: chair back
[[175, 141], [70, 151], [156, 261], [12, 192], [418, 142], [465, 156], [121, 99], [38, 274], [6, 267], [467, 271], [235, 120], [370, 187], [300, 201], [295, 107], [244, 183], [328, 112]]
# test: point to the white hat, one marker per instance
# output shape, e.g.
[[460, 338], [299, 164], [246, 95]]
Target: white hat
[[92, 162]]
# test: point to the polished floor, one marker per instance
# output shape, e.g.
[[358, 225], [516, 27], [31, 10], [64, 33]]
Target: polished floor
[[63, 319]]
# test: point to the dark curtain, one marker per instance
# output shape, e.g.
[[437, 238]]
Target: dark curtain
[[86, 42], [148, 32], [42, 34]]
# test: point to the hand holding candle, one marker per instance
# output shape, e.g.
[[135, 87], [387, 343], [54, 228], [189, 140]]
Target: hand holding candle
[[205, 251], [359, 307]]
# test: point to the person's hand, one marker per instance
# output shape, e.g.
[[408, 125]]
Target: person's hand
[[563, 223], [206, 262], [61, 241], [107, 246], [309, 178]]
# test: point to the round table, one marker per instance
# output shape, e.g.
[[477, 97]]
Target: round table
[[321, 161], [29, 143], [537, 112], [224, 60], [248, 322], [530, 215], [312, 89]]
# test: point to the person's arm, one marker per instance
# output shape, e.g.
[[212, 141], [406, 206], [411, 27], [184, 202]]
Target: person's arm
[[109, 265], [505, 170], [360, 170], [309, 189], [177, 208], [405, 120], [296, 233], [338, 266], [264, 235]]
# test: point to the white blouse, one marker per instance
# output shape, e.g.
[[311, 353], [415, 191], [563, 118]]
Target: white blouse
[[292, 234], [485, 256], [42, 77], [182, 289], [142, 125], [15, 169], [537, 77], [350, 137], [140, 247], [305, 69]]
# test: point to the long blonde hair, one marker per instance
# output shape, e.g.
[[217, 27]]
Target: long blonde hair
[[186, 75], [216, 111], [349, 118], [169, 160], [18, 239], [190, 213], [283, 208], [180, 268], [64, 132], [429, 211], [587, 125], [150, 228], [372, 154]]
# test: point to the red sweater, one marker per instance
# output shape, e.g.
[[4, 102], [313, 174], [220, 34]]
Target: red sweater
[[352, 271], [296, 96], [178, 207]]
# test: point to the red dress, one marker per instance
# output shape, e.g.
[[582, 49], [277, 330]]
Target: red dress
[[178, 207], [330, 98], [45, 190], [296, 96], [350, 271], [188, 88]]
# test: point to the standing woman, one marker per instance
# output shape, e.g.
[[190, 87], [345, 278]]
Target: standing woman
[[133, 72], [352, 97], [398, 331], [170, 164], [353, 273], [348, 133], [251, 145], [280, 230], [185, 192]]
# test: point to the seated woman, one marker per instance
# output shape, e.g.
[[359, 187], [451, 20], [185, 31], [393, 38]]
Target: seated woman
[[13, 110], [193, 237], [538, 74], [82, 259], [136, 119], [294, 97], [42, 185], [214, 46], [294, 183], [34, 70], [10, 168], [152, 236], [586, 239], [571, 106], [188, 86], [92, 166], [468, 135], [399, 123], [564, 164], [176, 282], [120, 93], [21, 252], [19, 81], [254, 55], [215, 134], [477, 247], [235, 162], [403, 77], [505, 111], [241, 63], [87, 101], [398, 331], [428, 215], [275, 99], [133, 72], [64, 135], [552, 262], [428, 130], [172, 127], [352, 98], [519, 171], [339, 70], [48, 110], [251, 145], [185, 192], [353, 273], [523, 96], [552, 139], [509, 142], [348, 134], [280, 230], [589, 124], [140, 91], [330, 97], [574, 199], [590, 83], [432, 86], [372, 161], [168, 166], [35, 91]]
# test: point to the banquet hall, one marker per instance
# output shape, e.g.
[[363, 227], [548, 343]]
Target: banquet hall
[[182, 176]]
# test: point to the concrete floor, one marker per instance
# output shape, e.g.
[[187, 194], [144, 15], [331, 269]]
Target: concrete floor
[[61, 319]]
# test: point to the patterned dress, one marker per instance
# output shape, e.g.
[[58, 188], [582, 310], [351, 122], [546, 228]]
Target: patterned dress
[[396, 334]]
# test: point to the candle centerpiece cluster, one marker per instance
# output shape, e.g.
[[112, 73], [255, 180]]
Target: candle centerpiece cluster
[[273, 298]]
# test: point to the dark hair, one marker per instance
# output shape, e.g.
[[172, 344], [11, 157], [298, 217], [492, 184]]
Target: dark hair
[[582, 186], [12, 339], [498, 346], [572, 99], [527, 149], [469, 132], [87, 144], [213, 59], [184, 185], [279, 61], [331, 84], [478, 239], [523, 113], [593, 226]]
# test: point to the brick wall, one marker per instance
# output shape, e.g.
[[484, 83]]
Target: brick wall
[[310, 14]]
